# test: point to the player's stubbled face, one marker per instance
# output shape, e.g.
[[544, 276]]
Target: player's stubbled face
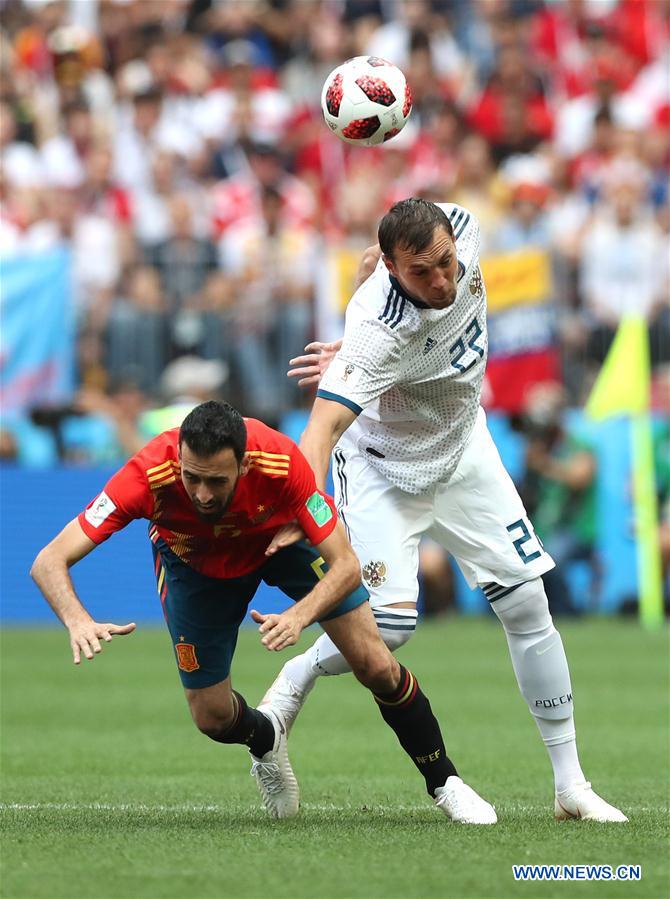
[[210, 481], [429, 276]]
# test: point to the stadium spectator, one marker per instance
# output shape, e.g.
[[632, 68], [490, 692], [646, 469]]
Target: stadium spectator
[[25, 223], [587, 167], [243, 106], [104, 426], [525, 222], [185, 264], [323, 47], [184, 384], [512, 112], [239, 197], [64, 155], [559, 493], [522, 330], [475, 186], [138, 330], [417, 22], [429, 88], [623, 264], [273, 267], [576, 119], [434, 147], [19, 159], [151, 203], [145, 127]]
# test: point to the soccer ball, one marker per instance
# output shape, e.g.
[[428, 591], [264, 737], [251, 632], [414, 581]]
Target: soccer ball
[[366, 101]]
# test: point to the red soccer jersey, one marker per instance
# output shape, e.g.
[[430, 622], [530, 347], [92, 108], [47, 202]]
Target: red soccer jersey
[[278, 488]]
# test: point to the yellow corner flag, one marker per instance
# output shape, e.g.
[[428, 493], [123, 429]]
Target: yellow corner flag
[[623, 388]]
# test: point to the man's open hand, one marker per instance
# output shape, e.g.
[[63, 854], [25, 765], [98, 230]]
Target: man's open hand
[[279, 631], [312, 366], [85, 637]]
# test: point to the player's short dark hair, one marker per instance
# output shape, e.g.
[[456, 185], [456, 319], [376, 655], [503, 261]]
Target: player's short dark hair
[[410, 224], [213, 426]]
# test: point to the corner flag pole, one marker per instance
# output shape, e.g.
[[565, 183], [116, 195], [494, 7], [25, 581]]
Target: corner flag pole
[[623, 388], [646, 523]]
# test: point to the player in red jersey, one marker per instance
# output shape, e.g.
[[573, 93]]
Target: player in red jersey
[[216, 492]]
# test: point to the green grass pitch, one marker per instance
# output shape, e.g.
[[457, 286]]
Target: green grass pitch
[[109, 791]]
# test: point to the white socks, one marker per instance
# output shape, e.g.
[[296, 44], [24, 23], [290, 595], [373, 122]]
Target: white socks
[[542, 673]]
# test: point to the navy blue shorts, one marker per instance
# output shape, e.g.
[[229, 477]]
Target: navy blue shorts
[[203, 614]]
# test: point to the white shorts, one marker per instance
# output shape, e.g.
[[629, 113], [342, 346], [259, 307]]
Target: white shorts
[[478, 517]]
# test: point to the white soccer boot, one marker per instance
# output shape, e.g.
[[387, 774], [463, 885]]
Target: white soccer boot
[[286, 698], [580, 801], [459, 802], [274, 775]]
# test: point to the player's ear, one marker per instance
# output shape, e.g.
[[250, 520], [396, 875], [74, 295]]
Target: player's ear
[[388, 262], [245, 464]]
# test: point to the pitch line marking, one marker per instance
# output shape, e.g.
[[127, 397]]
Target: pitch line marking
[[308, 806]]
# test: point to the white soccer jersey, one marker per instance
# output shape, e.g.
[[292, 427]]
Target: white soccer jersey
[[414, 373]]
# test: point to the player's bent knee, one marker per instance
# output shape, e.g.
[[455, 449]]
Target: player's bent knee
[[378, 672], [212, 718], [525, 610]]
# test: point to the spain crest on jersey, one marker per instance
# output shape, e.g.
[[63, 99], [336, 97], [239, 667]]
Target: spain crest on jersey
[[186, 657]]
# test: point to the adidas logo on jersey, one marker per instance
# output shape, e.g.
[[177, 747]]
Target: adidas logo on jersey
[[429, 345]]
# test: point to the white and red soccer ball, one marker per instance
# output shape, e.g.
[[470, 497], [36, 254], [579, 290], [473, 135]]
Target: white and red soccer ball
[[366, 101]]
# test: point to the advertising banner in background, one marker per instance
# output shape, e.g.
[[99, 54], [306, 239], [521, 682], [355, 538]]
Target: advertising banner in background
[[36, 331]]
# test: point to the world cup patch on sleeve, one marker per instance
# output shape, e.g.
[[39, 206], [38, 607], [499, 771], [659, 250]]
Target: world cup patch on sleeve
[[101, 509], [348, 373], [319, 509]]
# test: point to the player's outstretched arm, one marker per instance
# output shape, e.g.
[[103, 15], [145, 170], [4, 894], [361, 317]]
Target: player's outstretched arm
[[341, 578], [51, 573]]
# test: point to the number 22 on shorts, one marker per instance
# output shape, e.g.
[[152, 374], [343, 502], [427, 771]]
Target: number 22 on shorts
[[521, 526]]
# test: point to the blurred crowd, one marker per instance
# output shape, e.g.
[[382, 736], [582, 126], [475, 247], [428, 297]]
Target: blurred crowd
[[177, 148]]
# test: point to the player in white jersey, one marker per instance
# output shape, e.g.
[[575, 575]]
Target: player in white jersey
[[399, 407]]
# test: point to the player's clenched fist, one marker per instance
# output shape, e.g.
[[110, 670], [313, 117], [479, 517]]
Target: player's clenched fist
[[279, 631], [85, 637]]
